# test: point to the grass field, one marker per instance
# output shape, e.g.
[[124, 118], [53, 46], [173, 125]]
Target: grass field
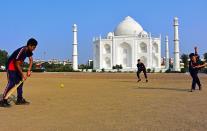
[[107, 102]]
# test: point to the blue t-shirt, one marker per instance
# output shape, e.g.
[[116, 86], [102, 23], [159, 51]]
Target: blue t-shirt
[[18, 55], [141, 67], [192, 68]]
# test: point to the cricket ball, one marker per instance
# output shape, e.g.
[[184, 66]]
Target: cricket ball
[[61, 85]]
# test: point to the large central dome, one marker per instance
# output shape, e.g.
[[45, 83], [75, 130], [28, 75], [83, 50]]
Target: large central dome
[[128, 27]]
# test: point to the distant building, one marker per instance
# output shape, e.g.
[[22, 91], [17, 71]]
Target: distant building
[[90, 63], [125, 45], [53, 61], [129, 42], [2, 68]]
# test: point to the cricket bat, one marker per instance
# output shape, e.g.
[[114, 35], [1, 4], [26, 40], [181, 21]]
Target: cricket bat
[[13, 89]]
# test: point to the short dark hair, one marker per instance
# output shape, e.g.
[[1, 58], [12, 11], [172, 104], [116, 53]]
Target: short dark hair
[[191, 55], [138, 59], [32, 42]]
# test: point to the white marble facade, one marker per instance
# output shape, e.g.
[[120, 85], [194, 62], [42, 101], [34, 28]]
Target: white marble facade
[[125, 45]]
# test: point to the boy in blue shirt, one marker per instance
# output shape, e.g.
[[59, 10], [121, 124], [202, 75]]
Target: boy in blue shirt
[[141, 67], [15, 73]]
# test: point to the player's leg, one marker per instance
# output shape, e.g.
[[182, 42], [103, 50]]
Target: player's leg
[[138, 76], [198, 81], [20, 91], [145, 75], [10, 85], [193, 81], [20, 99]]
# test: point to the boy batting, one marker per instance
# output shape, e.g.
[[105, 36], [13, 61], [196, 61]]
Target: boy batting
[[15, 74], [194, 67]]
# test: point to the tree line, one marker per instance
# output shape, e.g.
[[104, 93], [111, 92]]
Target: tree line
[[68, 68], [3, 57]]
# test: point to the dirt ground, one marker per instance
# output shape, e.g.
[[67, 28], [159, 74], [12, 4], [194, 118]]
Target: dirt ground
[[107, 102]]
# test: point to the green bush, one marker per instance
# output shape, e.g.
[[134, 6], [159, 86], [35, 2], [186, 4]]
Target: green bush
[[2, 70], [38, 70], [57, 67], [102, 70], [148, 70], [184, 70], [168, 71]]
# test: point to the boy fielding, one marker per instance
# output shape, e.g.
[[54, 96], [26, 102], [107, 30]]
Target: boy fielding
[[15, 73], [141, 67]]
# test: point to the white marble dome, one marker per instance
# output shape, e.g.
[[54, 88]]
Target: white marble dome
[[128, 27]]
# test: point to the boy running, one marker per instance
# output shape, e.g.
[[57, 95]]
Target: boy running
[[15, 73]]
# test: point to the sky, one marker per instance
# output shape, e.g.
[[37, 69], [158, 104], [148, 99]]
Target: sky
[[50, 22]]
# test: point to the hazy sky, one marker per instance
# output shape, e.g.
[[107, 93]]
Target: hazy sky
[[50, 22]]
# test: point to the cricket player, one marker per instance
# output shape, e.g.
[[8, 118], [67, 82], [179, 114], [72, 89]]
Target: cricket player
[[141, 67], [15, 73], [194, 67]]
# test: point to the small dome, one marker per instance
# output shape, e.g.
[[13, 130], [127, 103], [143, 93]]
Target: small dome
[[128, 27], [143, 34], [110, 34], [175, 18]]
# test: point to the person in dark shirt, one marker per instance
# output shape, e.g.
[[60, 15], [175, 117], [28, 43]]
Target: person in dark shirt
[[141, 67], [15, 73], [194, 67]]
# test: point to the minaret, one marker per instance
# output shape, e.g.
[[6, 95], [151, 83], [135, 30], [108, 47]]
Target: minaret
[[176, 63], [166, 53], [75, 47]]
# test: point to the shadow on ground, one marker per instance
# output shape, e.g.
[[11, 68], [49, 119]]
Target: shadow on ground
[[154, 88]]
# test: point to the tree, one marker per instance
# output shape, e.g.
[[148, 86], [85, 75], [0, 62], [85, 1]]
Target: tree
[[102, 70], [82, 66], [148, 70], [90, 65], [205, 56], [3, 57], [184, 58], [118, 67], [55, 67]]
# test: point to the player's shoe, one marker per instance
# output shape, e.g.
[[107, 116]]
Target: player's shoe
[[200, 88], [138, 80], [4, 103], [146, 80], [192, 90], [22, 101]]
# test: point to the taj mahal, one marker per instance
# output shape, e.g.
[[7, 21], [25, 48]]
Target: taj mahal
[[127, 43]]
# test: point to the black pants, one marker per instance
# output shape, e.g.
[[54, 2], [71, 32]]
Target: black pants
[[195, 80], [13, 79], [139, 71]]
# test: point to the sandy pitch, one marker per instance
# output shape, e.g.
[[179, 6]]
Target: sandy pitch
[[107, 102]]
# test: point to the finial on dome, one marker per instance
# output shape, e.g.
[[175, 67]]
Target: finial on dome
[[128, 17]]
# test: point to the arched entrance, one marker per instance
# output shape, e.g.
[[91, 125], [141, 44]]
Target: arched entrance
[[125, 55]]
